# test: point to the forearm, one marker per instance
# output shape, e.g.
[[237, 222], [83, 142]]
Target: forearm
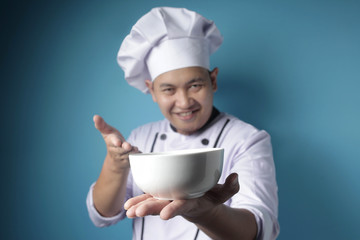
[[229, 223], [110, 189]]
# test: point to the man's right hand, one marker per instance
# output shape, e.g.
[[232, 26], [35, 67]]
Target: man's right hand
[[110, 189], [117, 148]]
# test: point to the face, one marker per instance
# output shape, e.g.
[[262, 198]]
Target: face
[[185, 97]]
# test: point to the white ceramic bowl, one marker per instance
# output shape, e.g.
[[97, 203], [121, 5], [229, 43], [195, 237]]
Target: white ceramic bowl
[[182, 174]]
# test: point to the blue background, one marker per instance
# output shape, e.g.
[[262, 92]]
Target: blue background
[[289, 67]]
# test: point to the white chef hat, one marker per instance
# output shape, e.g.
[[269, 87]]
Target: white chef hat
[[166, 39]]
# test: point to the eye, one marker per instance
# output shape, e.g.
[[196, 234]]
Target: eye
[[196, 86], [168, 90]]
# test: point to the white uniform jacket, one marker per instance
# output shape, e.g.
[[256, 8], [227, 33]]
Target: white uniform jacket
[[248, 152]]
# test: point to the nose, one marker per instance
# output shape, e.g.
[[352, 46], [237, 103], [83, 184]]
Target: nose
[[183, 99]]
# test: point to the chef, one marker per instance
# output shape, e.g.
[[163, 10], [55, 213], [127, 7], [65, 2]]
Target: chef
[[167, 55]]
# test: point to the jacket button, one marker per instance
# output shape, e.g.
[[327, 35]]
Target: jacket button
[[163, 136], [205, 141]]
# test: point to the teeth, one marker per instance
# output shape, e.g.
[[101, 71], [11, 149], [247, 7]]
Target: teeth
[[185, 114]]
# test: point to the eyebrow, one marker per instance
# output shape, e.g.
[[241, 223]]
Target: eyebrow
[[165, 85], [195, 80]]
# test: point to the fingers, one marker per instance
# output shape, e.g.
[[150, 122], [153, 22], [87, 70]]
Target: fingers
[[110, 134], [144, 205], [150, 207], [126, 146], [135, 200], [175, 208], [119, 153], [195, 208], [101, 125]]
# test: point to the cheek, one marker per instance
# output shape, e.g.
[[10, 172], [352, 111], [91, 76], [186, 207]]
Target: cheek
[[206, 99], [164, 104]]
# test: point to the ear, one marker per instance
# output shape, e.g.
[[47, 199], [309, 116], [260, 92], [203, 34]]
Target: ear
[[150, 86], [213, 78]]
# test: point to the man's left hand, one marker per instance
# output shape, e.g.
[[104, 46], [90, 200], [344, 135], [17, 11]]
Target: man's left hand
[[194, 210]]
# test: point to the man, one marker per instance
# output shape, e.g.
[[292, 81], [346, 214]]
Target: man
[[167, 54]]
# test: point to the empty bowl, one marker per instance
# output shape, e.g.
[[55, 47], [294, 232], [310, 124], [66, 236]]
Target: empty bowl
[[182, 174]]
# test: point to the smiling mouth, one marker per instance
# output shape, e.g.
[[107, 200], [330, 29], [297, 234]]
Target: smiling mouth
[[187, 115]]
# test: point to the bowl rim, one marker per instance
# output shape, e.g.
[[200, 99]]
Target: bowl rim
[[179, 152]]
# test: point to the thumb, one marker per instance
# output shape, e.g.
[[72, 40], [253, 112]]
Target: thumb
[[221, 193], [231, 184]]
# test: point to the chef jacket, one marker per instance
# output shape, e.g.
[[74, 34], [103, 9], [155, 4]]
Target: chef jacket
[[247, 151]]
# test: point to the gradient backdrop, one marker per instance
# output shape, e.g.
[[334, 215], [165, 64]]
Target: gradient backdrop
[[289, 67]]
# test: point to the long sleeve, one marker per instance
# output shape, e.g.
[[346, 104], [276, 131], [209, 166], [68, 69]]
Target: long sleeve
[[258, 188], [95, 216]]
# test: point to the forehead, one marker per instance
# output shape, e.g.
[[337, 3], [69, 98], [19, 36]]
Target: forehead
[[182, 75]]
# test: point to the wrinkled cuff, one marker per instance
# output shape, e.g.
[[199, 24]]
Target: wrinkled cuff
[[267, 225], [259, 222], [96, 217]]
